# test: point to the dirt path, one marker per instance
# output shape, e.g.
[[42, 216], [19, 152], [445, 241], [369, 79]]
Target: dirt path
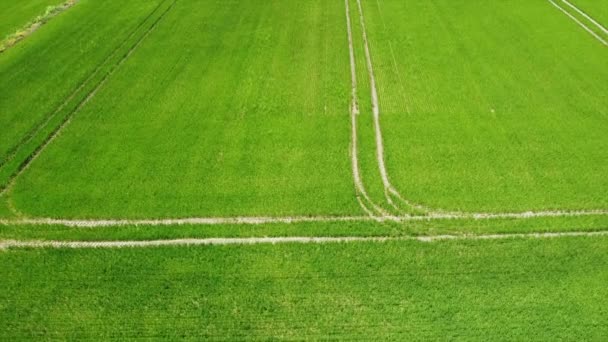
[[6, 244]]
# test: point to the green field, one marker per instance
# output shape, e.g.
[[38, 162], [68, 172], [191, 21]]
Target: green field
[[387, 121], [487, 124], [469, 291]]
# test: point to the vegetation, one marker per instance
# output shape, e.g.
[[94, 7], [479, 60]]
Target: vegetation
[[479, 290]]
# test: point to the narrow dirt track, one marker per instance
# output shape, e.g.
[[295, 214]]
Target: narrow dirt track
[[585, 27], [208, 221], [8, 244], [586, 16]]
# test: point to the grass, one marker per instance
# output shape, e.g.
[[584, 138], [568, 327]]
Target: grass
[[247, 115], [596, 9], [486, 109], [479, 290], [15, 14]]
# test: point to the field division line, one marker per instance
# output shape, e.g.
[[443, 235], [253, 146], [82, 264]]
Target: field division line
[[389, 189], [6, 244], [27, 162], [585, 27], [586, 16]]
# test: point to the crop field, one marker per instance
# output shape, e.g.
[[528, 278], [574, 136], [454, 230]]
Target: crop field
[[360, 127]]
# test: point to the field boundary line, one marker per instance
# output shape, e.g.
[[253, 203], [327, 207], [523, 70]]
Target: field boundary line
[[7, 244], [252, 220], [434, 213], [27, 162], [12, 152], [586, 16], [590, 31], [29, 28]]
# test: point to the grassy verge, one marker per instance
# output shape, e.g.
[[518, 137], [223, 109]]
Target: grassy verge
[[481, 290]]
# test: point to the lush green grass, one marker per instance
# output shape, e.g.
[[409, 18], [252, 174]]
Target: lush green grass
[[40, 73], [15, 14], [596, 9], [225, 109], [492, 106], [484, 290]]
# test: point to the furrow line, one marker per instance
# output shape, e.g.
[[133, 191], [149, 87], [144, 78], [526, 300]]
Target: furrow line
[[7, 244]]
